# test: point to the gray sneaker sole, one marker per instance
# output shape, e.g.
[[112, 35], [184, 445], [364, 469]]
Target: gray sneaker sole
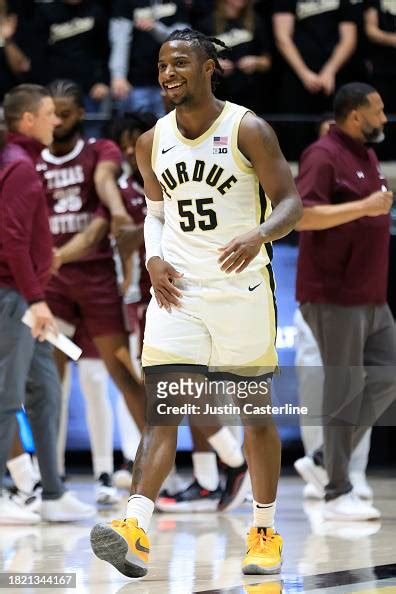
[[257, 570], [109, 546]]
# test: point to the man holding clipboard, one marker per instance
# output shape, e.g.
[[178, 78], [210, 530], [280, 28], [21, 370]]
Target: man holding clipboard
[[28, 375]]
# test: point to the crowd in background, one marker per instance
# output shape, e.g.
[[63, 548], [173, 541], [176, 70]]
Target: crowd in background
[[283, 56]]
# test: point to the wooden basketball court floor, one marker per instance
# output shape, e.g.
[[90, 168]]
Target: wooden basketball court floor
[[202, 552]]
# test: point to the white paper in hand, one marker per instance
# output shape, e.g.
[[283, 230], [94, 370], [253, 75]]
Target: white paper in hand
[[61, 341]]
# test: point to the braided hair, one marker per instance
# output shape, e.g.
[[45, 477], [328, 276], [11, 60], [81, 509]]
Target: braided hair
[[207, 45], [63, 87], [130, 122]]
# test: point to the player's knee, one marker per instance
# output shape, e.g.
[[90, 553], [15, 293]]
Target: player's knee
[[161, 434], [259, 432]]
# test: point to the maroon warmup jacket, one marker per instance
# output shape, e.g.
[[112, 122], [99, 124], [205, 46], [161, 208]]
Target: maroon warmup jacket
[[25, 238]]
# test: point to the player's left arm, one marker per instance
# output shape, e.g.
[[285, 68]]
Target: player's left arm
[[81, 244], [258, 142], [105, 178]]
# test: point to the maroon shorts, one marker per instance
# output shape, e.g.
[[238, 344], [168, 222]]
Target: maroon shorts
[[136, 318], [87, 292], [85, 342]]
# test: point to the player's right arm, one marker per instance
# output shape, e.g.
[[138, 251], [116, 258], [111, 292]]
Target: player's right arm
[[161, 272]]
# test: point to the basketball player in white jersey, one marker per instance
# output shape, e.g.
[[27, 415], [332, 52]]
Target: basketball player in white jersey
[[208, 235]]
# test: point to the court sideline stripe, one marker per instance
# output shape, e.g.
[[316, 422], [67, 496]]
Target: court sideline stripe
[[297, 583]]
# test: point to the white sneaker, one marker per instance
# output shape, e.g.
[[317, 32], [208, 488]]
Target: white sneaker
[[122, 478], [349, 507], [311, 472], [361, 486], [349, 530], [105, 493], [311, 491], [30, 501], [174, 483], [66, 509], [12, 513]]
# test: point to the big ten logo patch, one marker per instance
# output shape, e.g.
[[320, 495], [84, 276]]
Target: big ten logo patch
[[220, 144], [220, 150]]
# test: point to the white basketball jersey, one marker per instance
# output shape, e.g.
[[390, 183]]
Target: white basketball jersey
[[211, 194]]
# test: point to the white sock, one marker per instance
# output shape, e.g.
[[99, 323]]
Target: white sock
[[94, 386], [238, 432], [205, 470], [36, 469], [264, 514], [22, 472], [141, 508], [128, 430], [227, 447], [63, 420]]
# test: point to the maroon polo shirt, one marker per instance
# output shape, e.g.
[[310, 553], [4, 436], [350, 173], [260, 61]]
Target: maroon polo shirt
[[25, 238], [348, 264]]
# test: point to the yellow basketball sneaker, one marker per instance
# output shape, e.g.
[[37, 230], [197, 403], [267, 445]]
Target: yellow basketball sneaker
[[123, 544], [267, 588], [264, 552]]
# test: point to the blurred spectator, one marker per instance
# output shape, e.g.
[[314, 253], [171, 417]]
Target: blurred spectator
[[198, 9], [247, 58], [24, 35], [380, 26], [106, 5], [316, 39], [13, 61], [263, 8], [72, 42], [137, 29], [356, 67]]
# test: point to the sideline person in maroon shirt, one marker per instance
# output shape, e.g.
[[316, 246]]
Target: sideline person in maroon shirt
[[28, 374], [342, 288]]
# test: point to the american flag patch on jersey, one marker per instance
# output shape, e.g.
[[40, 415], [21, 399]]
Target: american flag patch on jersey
[[220, 140]]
